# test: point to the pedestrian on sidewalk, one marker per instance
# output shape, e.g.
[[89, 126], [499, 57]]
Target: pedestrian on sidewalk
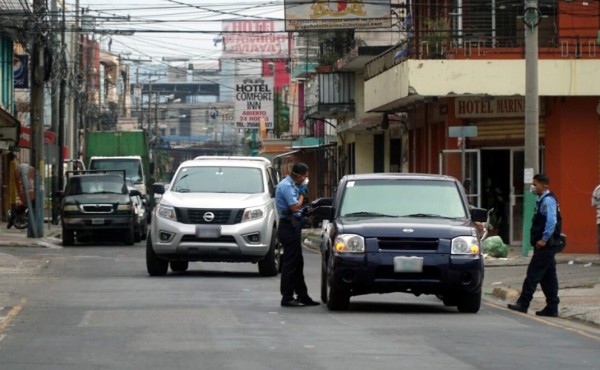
[[596, 203], [544, 237], [289, 200]]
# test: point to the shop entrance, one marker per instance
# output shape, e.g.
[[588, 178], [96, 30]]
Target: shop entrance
[[502, 189], [493, 178]]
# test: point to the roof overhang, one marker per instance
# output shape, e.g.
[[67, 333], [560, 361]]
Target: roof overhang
[[10, 130]]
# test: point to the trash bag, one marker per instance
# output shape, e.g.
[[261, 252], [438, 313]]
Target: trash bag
[[495, 247]]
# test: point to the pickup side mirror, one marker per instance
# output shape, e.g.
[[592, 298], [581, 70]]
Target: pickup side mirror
[[158, 188], [478, 214], [134, 192], [322, 213]]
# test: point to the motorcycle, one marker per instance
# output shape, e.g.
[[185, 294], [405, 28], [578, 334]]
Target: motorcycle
[[18, 216]]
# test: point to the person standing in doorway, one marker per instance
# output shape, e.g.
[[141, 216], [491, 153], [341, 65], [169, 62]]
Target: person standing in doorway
[[596, 203], [544, 237], [289, 199]]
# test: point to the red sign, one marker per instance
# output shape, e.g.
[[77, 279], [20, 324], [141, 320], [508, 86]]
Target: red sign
[[25, 139]]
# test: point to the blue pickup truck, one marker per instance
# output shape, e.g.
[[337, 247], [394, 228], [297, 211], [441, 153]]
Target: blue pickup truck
[[412, 233]]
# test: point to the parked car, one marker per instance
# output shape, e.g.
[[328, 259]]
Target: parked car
[[140, 204], [411, 233], [95, 204], [216, 209]]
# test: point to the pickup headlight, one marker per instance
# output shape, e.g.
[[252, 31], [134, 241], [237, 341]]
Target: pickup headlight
[[124, 207], [167, 212], [253, 213], [349, 243], [465, 245], [71, 208]]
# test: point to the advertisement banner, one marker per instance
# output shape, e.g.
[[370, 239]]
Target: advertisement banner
[[254, 102], [21, 71], [254, 39], [305, 15]]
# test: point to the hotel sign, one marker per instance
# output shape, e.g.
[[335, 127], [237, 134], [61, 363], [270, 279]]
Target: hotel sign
[[496, 107], [306, 15]]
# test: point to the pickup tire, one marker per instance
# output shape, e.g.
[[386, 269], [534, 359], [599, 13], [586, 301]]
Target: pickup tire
[[269, 266], [469, 302], [324, 280], [130, 235], [155, 265], [68, 237], [338, 299]]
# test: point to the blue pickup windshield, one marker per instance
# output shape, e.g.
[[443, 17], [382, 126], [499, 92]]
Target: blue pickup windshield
[[396, 198]]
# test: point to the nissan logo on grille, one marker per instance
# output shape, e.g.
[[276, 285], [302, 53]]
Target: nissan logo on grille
[[208, 216]]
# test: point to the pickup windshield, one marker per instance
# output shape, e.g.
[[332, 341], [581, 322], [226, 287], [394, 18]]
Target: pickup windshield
[[402, 198], [96, 184], [205, 179]]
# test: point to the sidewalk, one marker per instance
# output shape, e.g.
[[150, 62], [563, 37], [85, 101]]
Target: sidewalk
[[18, 238], [578, 275]]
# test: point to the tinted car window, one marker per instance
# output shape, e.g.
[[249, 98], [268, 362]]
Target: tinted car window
[[219, 180], [402, 198], [95, 184]]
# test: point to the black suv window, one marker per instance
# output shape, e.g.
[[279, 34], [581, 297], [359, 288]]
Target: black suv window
[[96, 185]]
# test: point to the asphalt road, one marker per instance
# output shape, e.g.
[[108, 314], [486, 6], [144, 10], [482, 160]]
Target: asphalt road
[[94, 307]]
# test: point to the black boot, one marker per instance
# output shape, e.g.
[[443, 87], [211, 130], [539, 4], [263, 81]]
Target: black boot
[[548, 311]]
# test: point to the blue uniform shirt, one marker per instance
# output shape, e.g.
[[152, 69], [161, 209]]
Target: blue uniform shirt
[[548, 209], [286, 195]]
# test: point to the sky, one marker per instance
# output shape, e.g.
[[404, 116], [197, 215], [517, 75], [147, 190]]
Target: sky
[[196, 22]]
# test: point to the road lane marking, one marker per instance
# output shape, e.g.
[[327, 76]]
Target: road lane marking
[[11, 314], [548, 321]]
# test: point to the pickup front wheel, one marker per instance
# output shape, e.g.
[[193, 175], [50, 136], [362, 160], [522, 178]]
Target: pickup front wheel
[[469, 302], [155, 265]]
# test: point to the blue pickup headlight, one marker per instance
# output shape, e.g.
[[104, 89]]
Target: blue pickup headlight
[[466, 245], [349, 243]]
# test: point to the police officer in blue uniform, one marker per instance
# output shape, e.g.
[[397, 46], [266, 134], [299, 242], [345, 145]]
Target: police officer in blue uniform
[[545, 235], [289, 199]]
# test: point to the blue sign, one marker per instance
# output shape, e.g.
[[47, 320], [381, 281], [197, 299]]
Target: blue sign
[[21, 71]]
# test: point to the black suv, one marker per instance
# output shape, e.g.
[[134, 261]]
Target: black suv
[[411, 233], [97, 203]]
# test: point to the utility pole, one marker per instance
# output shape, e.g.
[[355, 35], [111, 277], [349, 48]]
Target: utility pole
[[76, 47], [531, 18], [61, 103], [35, 229]]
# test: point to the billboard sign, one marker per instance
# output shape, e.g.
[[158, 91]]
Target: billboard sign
[[306, 15], [253, 102], [254, 39]]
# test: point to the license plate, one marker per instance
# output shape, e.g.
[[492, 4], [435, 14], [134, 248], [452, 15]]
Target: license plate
[[408, 264], [208, 231], [97, 221]]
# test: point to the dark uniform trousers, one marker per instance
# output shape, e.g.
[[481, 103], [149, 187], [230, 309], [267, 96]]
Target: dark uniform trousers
[[292, 275], [541, 270]]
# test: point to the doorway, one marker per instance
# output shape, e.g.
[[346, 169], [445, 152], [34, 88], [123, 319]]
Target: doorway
[[493, 179], [502, 189]]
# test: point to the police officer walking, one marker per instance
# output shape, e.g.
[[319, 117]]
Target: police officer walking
[[289, 198], [545, 235]]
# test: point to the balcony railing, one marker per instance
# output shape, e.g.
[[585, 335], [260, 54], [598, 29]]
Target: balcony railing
[[483, 48]]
